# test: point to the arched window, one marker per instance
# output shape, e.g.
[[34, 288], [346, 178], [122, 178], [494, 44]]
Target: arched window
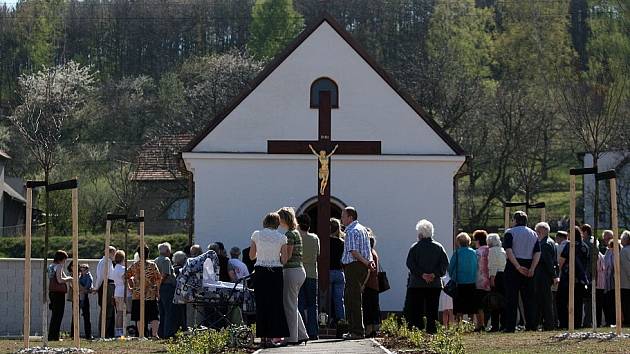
[[324, 84]]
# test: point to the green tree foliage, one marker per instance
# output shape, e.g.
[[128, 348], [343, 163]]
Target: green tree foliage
[[200, 88], [274, 24]]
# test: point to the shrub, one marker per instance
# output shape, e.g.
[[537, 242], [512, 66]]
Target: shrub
[[199, 342], [446, 340]]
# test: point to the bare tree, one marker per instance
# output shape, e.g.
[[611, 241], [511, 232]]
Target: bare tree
[[591, 104], [126, 192], [48, 100]]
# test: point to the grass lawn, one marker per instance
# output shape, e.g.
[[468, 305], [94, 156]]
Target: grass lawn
[[119, 347], [540, 342]]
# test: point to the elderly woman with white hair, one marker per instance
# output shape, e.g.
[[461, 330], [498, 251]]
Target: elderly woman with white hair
[[496, 265], [167, 290], [427, 262]]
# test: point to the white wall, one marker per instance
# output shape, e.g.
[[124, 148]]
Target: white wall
[[233, 192], [369, 109]]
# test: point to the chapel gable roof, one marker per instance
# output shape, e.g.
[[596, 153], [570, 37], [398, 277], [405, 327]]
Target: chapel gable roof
[[280, 58]]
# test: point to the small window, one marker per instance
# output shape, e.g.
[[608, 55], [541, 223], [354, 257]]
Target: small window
[[178, 210], [324, 84]]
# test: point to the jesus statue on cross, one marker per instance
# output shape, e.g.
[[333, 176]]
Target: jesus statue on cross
[[324, 171]]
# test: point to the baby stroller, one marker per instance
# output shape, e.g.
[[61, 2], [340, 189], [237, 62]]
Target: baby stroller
[[218, 304]]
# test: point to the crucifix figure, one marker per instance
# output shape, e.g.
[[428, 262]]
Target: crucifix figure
[[324, 171], [324, 96]]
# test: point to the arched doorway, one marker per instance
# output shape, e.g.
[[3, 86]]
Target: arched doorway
[[309, 207]]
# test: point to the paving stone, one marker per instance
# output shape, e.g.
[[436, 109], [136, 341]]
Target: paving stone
[[330, 346]]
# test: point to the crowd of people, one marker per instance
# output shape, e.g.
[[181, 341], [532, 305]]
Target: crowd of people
[[521, 279], [499, 283], [286, 278]]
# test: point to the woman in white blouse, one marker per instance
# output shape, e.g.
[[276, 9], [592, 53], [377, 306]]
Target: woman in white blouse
[[119, 290], [496, 266], [269, 248]]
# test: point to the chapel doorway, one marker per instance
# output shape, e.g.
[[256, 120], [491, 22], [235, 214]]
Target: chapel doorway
[[310, 208]]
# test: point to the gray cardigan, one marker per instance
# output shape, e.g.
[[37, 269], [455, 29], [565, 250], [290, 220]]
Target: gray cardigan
[[426, 256]]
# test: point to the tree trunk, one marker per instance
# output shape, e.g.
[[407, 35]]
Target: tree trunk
[[191, 206], [45, 266], [594, 249]]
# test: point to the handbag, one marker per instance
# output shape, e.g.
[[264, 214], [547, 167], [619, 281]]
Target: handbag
[[57, 287], [383, 282], [451, 287]]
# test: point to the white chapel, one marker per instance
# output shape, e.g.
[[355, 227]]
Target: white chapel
[[238, 180]]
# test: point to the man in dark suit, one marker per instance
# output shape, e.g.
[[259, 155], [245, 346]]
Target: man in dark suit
[[547, 273]]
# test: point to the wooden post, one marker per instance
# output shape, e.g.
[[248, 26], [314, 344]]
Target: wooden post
[[142, 277], [108, 229], [127, 253], [617, 275], [75, 266], [26, 331], [572, 257], [543, 215]]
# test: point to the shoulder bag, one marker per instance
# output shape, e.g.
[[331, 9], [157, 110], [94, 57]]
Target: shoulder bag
[[451, 287], [383, 282], [55, 286]]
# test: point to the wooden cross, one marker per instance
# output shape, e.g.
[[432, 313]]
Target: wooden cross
[[323, 200]]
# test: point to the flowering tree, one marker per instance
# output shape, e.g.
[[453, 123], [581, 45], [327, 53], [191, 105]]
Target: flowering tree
[[49, 99]]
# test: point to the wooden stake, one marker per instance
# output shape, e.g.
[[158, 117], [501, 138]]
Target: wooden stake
[[543, 214], [108, 230], [142, 276], [75, 266], [617, 275], [572, 257], [26, 331]]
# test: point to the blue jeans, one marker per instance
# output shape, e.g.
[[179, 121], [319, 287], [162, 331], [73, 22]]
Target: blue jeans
[[167, 320], [307, 304], [337, 285]]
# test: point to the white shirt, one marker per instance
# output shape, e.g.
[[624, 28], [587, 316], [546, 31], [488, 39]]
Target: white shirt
[[239, 268], [118, 274], [209, 275], [268, 245], [100, 272]]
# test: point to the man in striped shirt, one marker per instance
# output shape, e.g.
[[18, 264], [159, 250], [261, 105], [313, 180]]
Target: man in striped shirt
[[357, 263]]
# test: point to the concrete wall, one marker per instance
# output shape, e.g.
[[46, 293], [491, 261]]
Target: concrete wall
[[12, 294]]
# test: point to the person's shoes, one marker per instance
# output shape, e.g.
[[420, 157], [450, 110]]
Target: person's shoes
[[352, 336], [313, 338]]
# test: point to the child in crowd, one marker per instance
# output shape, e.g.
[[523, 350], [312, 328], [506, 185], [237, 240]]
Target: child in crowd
[[85, 288], [446, 305]]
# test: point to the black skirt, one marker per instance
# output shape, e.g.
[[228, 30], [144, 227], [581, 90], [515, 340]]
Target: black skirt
[[270, 319], [151, 311], [465, 300], [371, 308]]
